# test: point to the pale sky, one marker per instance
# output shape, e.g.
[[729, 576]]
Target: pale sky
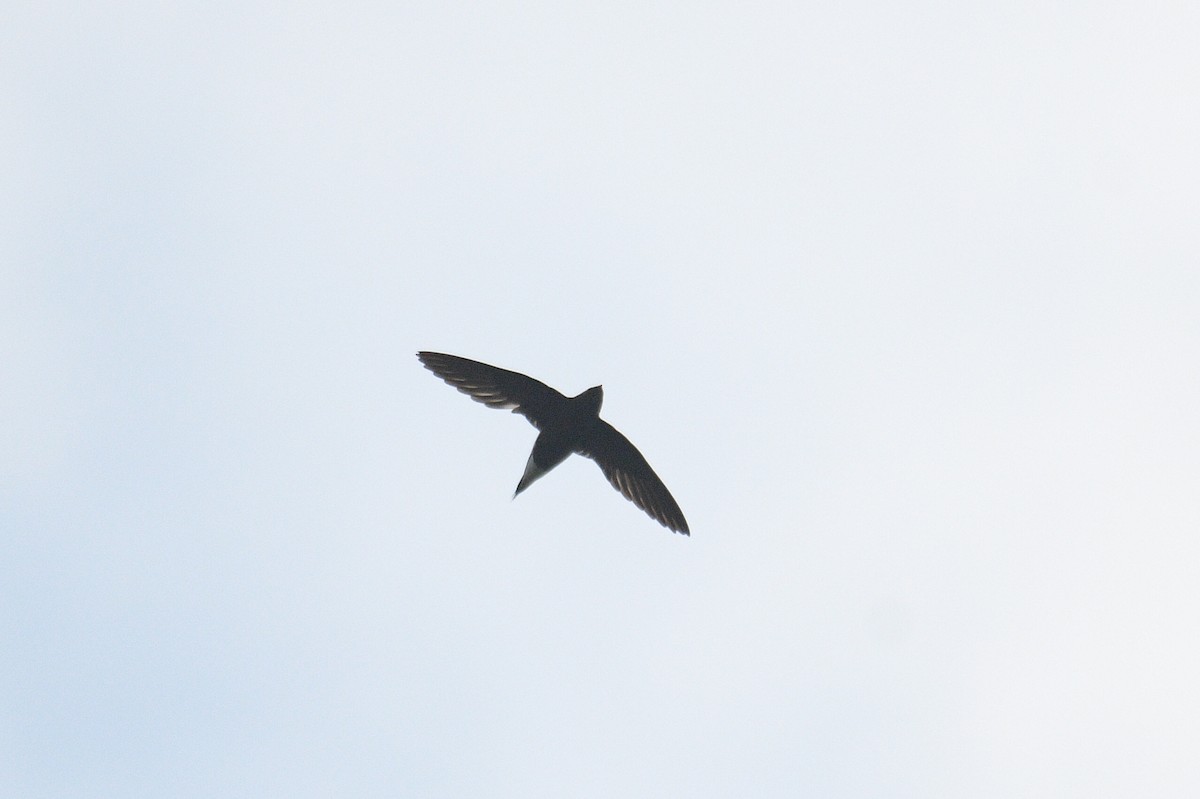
[[902, 303]]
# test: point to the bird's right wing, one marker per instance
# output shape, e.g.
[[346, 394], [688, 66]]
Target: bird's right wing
[[496, 387], [630, 474]]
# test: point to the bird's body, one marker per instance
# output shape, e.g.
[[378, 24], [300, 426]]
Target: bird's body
[[566, 425], [566, 431]]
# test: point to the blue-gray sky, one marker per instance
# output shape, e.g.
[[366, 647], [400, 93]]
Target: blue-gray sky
[[902, 302]]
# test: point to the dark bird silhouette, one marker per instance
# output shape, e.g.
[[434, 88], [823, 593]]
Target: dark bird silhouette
[[565, 425]]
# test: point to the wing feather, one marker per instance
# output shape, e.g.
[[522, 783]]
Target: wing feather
[[629, 473], [496, 387]]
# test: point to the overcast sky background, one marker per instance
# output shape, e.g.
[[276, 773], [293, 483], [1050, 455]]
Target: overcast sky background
[[901, 301]]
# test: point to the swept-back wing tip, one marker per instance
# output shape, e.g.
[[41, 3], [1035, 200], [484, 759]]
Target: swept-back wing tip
[[629, 473]]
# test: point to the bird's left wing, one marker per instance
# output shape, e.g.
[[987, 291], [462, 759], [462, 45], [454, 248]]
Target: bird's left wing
[[496, 387]]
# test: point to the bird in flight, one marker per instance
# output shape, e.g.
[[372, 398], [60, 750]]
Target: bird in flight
[[565, 425]]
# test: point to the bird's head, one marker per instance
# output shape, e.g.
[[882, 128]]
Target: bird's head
[[592, 399]]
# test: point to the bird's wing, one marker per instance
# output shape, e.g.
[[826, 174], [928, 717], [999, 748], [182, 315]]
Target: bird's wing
[[495, 387], [630, 474]]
